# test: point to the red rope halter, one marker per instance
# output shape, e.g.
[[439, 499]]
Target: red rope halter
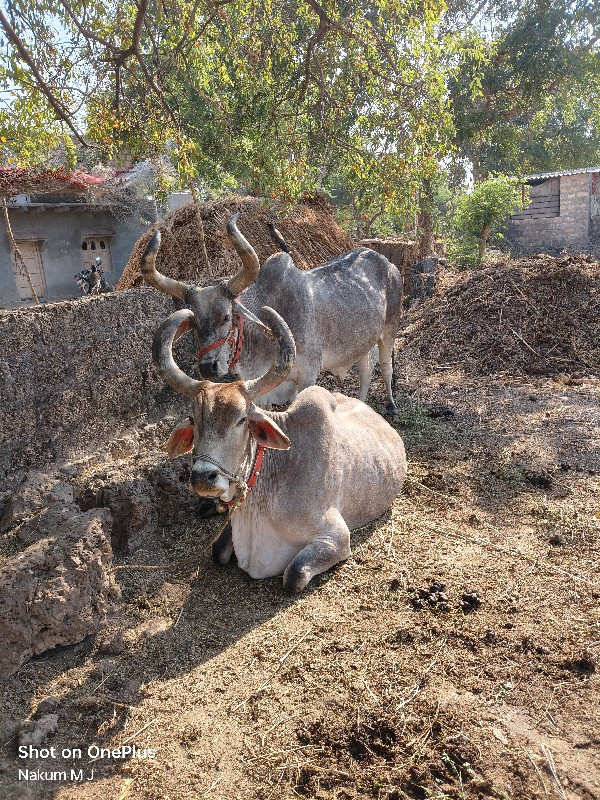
[[258, 459], [234, 337]]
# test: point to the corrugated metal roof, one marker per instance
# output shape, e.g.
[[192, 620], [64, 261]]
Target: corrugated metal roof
[[543, 175]]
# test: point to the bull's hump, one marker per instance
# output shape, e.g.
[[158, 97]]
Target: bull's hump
[[279, 261], [277, 274], [277, 265], [362, 258], [345, 258], [313, 406]]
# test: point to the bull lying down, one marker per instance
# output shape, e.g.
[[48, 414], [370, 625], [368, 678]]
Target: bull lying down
[[297, 481]]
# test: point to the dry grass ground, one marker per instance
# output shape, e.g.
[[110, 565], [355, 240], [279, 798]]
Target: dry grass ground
[[364, 687]]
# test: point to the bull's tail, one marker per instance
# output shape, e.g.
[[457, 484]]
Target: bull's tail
[[277, 237]]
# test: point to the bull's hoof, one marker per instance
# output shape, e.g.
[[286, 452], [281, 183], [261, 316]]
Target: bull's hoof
[[391, 409]]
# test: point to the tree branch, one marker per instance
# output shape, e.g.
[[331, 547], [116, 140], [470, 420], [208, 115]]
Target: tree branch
[[25, 56], [312, 43], [158, 91], [137, 28], [477, 11], [85, 32]]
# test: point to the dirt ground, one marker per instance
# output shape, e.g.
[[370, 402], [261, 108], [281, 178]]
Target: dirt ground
[[455, 655]]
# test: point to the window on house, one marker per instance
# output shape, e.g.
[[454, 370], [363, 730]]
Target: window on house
[[544, 200], [91, 247]]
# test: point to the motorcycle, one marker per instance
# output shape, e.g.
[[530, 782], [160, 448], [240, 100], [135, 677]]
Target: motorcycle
[[92, 281]]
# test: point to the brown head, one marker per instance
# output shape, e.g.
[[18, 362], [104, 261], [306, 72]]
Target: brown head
[[224, 420], [212, 306]]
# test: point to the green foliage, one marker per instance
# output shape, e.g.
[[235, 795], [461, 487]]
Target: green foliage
[[30, 135], [478, 214], [278, 97], [526, 95], [363, 100], [361, 210], [490, 202]]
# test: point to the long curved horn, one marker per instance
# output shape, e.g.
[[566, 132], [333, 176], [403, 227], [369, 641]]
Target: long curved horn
[[251, 264], [243, 312], [162, 354], [284, 358], [154, 277]]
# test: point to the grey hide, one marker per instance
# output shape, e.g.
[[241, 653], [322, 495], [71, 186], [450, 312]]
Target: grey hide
[[337, 313], [331, 463], [344, 468]]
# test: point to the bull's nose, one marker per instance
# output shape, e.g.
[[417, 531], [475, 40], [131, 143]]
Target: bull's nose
[[203, 480], [209, 370]]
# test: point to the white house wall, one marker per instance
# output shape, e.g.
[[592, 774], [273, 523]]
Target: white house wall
[[60, 232]]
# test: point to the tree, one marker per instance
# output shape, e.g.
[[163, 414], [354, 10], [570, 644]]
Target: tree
[[275, 96], [532, 70], [479, 212]]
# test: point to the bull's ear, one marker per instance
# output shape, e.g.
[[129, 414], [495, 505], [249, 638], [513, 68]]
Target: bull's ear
[[182, 439], [265, 431]]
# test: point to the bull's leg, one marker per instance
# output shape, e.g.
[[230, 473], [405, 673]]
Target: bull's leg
[[365, 373], [222, 547], [330, 546], [386, 348], [308, 374]]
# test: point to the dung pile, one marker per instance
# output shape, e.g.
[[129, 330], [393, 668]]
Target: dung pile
[[536, 316], [311, 233]]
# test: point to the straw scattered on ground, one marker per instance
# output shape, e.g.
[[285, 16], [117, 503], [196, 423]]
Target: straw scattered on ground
[[369, 685], [536, 316]]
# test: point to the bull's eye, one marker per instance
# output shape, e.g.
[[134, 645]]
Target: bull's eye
[[226, 318], [243, 419]]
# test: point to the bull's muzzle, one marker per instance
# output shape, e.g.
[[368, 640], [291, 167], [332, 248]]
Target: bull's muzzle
[[207, 481], [210, 369]]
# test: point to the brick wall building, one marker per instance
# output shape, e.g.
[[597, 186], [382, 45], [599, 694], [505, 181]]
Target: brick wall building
[[564, 213]]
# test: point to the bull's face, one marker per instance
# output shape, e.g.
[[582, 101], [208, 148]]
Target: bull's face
[[213, 314], [224, 419], [211, 305], [219, 432]]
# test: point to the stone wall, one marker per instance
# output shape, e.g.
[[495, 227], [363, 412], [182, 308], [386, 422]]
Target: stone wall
[[418, 276], [76, 374], [569, 231]]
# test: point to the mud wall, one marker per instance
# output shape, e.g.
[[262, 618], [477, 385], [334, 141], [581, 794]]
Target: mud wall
[[76, 374], [418, 275]]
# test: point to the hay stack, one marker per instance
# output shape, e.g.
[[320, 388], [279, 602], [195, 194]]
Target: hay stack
[[537, 316], [311, 232]]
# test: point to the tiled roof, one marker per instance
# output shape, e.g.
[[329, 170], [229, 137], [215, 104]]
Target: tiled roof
[[28, 180]]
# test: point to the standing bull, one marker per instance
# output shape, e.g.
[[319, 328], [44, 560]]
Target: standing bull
[[336, 312], [331, 463]]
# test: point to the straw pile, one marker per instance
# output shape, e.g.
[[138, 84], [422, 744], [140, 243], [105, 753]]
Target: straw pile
[[533, 316], [310, 231]]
